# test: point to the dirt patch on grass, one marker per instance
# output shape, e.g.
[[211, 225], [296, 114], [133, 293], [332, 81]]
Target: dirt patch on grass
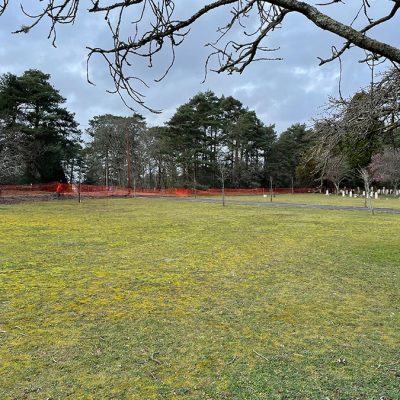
[[25, 199], [51, 196]]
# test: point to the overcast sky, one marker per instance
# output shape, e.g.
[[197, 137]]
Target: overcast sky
[[281, 92]]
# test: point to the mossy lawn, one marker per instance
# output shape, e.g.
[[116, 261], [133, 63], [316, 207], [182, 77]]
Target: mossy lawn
[[158, 299]]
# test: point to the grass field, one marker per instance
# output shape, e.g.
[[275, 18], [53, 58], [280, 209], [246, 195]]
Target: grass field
[[156, 299], [314, 198]]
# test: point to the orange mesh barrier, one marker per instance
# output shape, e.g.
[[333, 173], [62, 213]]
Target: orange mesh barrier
[[72, 190]]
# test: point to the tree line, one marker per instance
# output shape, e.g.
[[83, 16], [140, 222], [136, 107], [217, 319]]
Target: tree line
[[40, 142], [209, 141], [206, 133]]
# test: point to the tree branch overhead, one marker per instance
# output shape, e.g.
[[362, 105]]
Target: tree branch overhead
[[159, 27]]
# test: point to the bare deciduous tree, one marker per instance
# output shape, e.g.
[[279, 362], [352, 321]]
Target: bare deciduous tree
[[335, 170], [240, 41], [223, 171], [370, 114], [366, 176], [12, 162], [386, 167]]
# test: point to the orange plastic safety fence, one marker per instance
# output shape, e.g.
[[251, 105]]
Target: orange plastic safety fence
[[73, 190]]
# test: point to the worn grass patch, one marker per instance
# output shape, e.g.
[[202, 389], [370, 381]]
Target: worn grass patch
[[156, 299]]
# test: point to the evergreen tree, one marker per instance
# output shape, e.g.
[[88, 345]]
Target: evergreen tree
[[194, 133], [287, 153], [359, 148], [115, 156], [44, 131], [209, 129]]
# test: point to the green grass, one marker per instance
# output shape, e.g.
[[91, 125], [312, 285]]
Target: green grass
[[314, 198], [156, 299]]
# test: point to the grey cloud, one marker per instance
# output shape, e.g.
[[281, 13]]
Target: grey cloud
[[281, 92]]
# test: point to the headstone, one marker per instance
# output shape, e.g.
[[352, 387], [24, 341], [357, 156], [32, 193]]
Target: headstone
[[364, 193], [327, 192], [343, 193], [351, 193], [376, 195]]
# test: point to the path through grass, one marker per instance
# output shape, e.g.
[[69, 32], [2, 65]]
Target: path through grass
[[315, 198]]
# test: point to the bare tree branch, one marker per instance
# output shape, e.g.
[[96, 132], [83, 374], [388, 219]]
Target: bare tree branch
[[157, 29], [371, 113]]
